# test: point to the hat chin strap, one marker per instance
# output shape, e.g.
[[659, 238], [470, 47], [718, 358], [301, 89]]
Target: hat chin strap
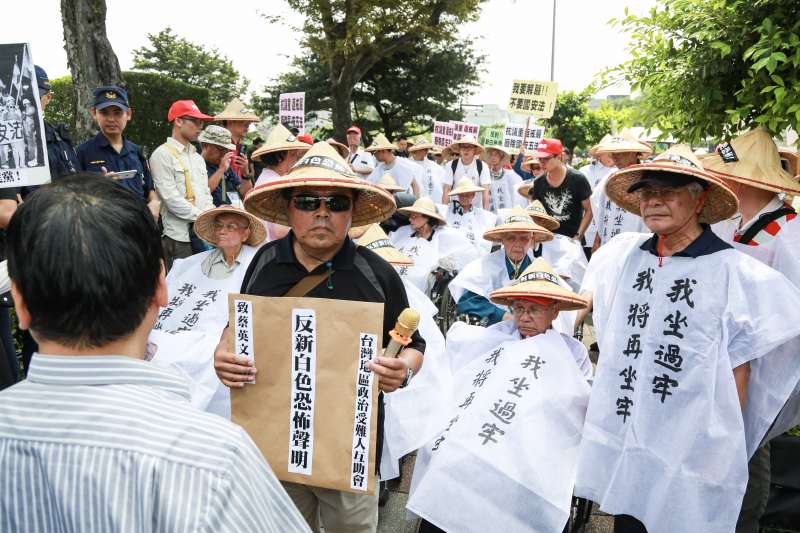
[[662, 236]]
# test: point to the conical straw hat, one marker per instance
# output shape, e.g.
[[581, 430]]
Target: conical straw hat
[[540, 215], [421, 143], [343, 150], [752, 159], [518, 221], [204, 225], [721, 203], [467, 139], [388, 183], [376, 240], [380, 143], [624, 141], [605, 140], [464, 186], [538, 281], [236, 110], [278, 140], [321, 166], [423, 206]]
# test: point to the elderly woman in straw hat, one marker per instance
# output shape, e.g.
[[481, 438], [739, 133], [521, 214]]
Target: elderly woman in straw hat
[[407, 174], [608, 218], [320, 199], [471, 287], [278, 154], [467, 216], [432, 173], [198, 306], [429, 243], [680, 316], [469, 166], [504, 181], [519, 389]]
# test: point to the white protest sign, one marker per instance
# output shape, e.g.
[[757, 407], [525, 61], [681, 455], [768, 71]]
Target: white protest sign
[[292, 111], [514, 133], [442, 134], [23, 151], [460, 129]]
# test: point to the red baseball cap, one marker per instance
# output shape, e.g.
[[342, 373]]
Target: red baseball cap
[[186, 108], [306, 138], [548, 148], [354, 129]]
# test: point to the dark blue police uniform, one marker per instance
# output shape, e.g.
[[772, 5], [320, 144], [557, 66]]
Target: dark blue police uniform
[[97, 153]]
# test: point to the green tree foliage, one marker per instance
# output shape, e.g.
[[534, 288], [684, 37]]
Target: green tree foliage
[[150, 94], [350, 38], [407, 91], [191, 63], [709, 68]]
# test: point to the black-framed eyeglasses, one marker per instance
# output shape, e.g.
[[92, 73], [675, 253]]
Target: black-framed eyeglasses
[[335, 204]]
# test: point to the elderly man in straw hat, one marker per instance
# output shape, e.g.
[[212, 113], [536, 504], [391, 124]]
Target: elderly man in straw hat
[[236, 118], [750, 165], [512, 419], [407, 174], [432, 174], [467, 165], [320, 199], [278, 154], [465, 215], [217, 150], [679, 316], [471, 287], [609, 219], [504, 181], [197, 312]]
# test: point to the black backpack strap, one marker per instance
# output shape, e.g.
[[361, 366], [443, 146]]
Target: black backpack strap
[[363, 266], [764, 221], [266, 257], [479, 163], [454, 165]]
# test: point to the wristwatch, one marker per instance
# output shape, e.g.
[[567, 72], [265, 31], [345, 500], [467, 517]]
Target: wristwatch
[[409, 375]]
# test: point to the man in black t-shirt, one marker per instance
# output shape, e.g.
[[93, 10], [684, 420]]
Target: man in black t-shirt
[[564, 191]]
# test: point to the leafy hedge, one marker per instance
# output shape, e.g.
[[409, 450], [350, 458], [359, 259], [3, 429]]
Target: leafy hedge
[[150, 94]]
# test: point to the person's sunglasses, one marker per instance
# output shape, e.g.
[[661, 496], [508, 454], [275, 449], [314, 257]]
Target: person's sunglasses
[[334, 204]]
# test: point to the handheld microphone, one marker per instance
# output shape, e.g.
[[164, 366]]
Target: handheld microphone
[[404, 328]]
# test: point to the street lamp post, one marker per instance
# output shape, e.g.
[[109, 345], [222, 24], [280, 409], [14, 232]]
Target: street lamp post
[[553, 46]]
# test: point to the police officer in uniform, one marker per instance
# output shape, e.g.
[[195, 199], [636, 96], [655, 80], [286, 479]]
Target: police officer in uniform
[[61, 154], [109, 152]]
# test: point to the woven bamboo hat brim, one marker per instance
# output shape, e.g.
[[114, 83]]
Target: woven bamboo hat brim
[[467, 139], [752, 159], [793, 158], [421, 143], [528, 161], [343, 150], [236, 110], [423, 206], [380, 143], [464, 186], [721, 203], [540, 215], [623, 142], [538, 281], [518, 221], [204, 225], [436, 150], [376, 240], [447, 151], [503, 150], [321, 166], [524, 188], [605, 140], [388, 183], [279, 140]]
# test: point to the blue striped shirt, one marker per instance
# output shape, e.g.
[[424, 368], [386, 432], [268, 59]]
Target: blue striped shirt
[[111, 443]]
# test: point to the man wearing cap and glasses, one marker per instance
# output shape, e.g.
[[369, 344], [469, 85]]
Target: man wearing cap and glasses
[[109, 152], [319, 200], [680, 317], [181, 181]]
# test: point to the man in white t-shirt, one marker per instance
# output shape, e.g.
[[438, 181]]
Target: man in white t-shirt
[[407, 174], [431, 183], [467, 166], [360, 161]]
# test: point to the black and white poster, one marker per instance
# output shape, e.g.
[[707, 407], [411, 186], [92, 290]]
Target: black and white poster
[[23, 153]]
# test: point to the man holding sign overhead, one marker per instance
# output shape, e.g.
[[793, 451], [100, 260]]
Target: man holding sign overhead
[[319, 200]]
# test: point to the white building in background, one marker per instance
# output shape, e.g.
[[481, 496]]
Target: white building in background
[[486, 115]]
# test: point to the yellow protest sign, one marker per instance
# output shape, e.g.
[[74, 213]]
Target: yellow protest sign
[[532, 97]]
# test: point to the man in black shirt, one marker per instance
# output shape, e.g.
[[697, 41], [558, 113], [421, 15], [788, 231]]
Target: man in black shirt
[[564, 191], [319, 200]]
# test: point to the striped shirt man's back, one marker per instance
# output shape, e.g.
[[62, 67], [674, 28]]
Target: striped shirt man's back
[[110, 443]]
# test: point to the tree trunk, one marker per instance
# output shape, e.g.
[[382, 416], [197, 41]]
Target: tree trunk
[[341, 116], [91, 59]]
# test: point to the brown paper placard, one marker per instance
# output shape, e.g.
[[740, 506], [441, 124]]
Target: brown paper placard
[[263, 409]]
